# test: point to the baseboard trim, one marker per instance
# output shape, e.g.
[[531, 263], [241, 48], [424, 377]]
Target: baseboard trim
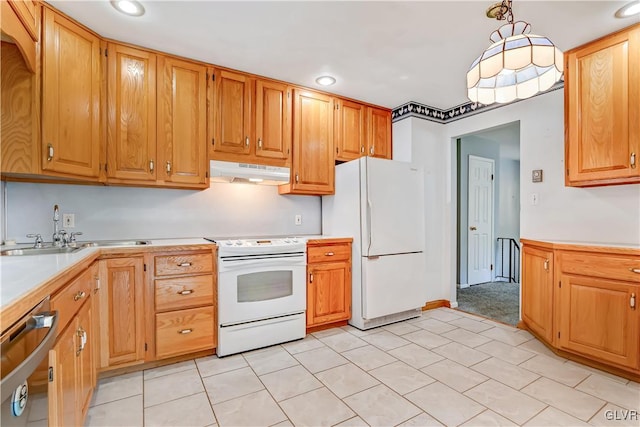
[[430, 305], [463, 285], [327, 326]]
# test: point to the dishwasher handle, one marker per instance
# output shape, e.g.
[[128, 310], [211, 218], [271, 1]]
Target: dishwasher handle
[[21, 372]]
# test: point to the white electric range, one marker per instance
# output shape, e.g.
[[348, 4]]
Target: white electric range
[[262, 294]]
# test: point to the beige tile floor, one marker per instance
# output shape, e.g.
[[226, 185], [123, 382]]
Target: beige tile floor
[[444, 368]]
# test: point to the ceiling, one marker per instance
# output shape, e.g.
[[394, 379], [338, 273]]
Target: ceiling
[[385, 53]]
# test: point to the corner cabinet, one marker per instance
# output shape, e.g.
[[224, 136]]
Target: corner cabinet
[[328, 281], [591, 302], [602, 110], [313, 167], [70, 98]]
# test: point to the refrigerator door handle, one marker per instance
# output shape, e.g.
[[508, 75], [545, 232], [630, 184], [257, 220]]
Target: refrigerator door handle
[[369, 209]]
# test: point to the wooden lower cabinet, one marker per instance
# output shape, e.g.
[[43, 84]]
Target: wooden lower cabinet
[[72, 363], [122, 312], [589, 295], [537, 296], [328, 283]]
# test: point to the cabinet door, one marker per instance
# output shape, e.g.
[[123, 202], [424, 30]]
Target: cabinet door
[[350, 130], [182, 116], [70, 98], [328, 293], [233, 113], [379, 133], [27, 12], [313, 166], [599, 318], [602, 102], [131, 131], [537, 291], [62, 391], [121, 311], [85, 364], [273, 120]]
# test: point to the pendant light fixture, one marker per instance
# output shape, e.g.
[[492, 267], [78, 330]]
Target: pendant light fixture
[[517, 65]]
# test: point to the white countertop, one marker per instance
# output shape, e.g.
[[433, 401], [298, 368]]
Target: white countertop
[[578, 243], [20, 274]]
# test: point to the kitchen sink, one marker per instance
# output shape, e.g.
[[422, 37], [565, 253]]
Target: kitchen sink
[[116, 243], [38, 251]]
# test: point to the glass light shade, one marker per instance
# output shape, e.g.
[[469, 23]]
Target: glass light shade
[[516, 66]]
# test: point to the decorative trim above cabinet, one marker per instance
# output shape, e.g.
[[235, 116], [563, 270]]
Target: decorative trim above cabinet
[[433, 114]]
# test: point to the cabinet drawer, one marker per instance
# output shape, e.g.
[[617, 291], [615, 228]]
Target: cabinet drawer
[[68, 301], [183, 292], [183, 264], [606, 266], [328, 253], [184, 331]]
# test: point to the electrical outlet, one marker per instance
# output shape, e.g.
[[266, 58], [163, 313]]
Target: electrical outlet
[[298, 219], [68, 220]]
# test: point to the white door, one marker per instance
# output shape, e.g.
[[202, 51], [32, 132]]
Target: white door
[[480, 220], [392, 207]]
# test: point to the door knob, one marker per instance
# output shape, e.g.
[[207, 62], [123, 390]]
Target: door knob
[[472, 228]]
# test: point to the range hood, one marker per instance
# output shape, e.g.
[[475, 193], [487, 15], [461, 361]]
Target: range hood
[[248, 173]]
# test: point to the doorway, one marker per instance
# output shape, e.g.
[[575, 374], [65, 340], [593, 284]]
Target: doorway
[[488, 223]]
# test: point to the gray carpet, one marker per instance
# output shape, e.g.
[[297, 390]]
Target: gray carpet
[[496, 300]]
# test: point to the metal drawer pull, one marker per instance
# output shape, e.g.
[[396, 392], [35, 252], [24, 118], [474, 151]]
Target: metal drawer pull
[[632, 301], [79, 296], [635, 270], [186, 292], [184, 264], [185, 331], [329, 254]]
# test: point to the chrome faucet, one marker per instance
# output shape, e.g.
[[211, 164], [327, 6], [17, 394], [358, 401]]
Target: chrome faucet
[[58, 236]]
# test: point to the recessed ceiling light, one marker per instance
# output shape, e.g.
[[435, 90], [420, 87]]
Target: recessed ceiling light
[[629, 9], [128, 7], [325, 80]]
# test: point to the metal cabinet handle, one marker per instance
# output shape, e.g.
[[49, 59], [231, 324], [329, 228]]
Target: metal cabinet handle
[[168, 167], [49, 152], [82, 334], [371, 150], [260, 143], [79, 295], [635, 270], [297, 178], [328, 254], [362, 149], [246, 141], [185, 331], [633, 160], [184, 264], [97, 288], [546, 264], [186, 292], [632, 301], [473, 228], [151, 165], [310, 277]]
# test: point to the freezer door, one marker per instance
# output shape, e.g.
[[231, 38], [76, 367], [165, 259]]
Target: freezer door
[[392, 207], [392, 284]]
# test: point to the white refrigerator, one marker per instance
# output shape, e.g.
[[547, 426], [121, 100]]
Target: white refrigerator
[[380, 203]]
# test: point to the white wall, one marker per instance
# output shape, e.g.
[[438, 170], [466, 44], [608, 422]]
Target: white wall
[[605, 215], [224, 210]]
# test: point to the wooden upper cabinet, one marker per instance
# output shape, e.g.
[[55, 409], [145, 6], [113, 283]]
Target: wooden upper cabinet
[[350, 131], [313, 166], [273, 120], [232, 113], [70, 98], [20, 23], [131, 114], [602, 110], [182, 117], [378, 133], [27, 13], [537, 290]]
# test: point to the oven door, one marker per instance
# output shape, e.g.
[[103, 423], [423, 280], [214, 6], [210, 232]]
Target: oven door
[[254, 288]]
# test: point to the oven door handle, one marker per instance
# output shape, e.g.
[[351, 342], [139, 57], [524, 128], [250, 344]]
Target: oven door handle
[[21, 372], [236, 264]]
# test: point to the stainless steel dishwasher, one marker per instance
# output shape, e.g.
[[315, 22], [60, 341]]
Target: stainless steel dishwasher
[[24, 346]]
